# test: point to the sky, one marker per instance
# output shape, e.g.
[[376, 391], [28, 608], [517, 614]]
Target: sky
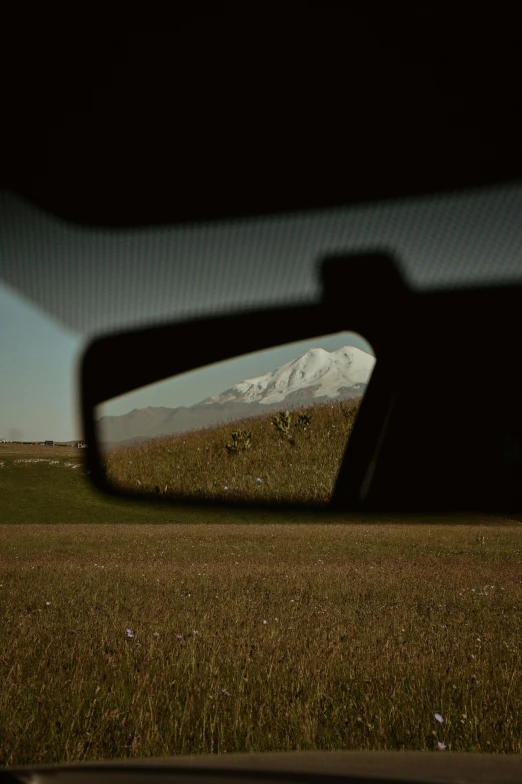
[[38, 385], [40, 362]]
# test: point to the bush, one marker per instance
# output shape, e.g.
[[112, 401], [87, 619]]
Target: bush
[[303, 420], [241, 441], [282, 423]]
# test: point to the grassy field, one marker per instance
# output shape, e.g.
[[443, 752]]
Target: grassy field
[[139, 640], [154, 633], [261, 458], [49, 484]]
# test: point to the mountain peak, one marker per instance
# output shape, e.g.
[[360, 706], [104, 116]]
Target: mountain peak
[[316, 373]]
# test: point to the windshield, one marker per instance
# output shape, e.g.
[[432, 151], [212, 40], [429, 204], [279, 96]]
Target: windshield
[[132, 630]]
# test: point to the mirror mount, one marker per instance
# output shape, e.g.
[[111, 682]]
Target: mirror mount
[[421, 424], [370, 288]]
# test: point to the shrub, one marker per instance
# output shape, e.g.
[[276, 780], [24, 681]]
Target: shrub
[[282, 423], [241, 441], [303, 420]]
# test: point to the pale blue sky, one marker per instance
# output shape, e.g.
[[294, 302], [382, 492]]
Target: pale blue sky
[[40, 364]]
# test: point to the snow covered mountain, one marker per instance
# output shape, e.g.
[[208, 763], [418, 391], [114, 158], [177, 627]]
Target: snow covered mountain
[[316, 376], [318, 373]]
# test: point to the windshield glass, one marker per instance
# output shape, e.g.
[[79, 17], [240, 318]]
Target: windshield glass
[[132, 630]]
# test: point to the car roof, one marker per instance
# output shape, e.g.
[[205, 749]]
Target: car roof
[[234, 115]]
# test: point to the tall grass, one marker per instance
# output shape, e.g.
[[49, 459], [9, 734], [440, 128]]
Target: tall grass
[[50, 484], [136, 641], [301, 466]]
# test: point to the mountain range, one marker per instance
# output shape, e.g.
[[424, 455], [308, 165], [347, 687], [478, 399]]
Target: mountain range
[[316, 376]]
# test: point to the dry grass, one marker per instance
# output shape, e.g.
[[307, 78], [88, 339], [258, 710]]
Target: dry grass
[[308, 637], [42, 452], [51, 485], [301, 467]]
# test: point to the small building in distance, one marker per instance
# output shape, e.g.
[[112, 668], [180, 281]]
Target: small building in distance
[[48, 443], [74, 443]]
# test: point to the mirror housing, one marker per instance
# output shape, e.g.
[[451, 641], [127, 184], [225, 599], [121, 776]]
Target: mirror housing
[[421, 441]]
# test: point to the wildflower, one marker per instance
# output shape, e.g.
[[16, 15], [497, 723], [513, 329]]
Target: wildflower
[[155, 634], [130, 633], [224, 691], [438, 717], [179, 636], [441, 746], [195, 631], [48, 603], [258, 479], [138, 481], [265, 622], [225, 488], [130, 462]]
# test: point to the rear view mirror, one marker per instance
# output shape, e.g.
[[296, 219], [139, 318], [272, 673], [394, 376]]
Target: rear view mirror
[[404, 429], [266, 401]]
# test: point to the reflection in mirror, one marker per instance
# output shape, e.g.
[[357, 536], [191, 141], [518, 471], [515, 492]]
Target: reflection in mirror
[[270, 426]]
